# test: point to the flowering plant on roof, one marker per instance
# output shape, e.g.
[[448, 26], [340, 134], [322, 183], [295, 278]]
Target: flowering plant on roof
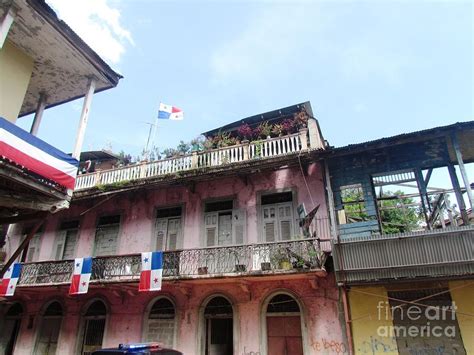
[[245, 131]]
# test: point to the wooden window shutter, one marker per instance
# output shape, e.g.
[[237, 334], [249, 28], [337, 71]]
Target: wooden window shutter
[[33, 248], [174, 231], [210, 228], [161, 228], [269, 223], [285, 218], [70, 244], [59, 245], [239, 226]]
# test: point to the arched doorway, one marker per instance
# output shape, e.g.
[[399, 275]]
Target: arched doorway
[[10, 329], [161, 322], [218, 322], [283, 322], [48, 330], [93, 327]]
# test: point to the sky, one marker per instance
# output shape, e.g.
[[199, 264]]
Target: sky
[[370, 69]]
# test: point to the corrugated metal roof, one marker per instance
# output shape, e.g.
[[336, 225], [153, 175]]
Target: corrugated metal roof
[[402, 138]]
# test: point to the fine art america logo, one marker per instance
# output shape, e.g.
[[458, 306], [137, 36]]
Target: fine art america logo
[[421, 321]]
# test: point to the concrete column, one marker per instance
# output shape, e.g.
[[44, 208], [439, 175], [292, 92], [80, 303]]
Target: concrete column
[[314, 134], [304, 138], [83, 120], [465, 178], [38, 114]]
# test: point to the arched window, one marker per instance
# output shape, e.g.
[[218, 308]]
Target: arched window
[[93, 327], [218, 318], [161, 322], [284, 326], [10, 329], [48, 329]]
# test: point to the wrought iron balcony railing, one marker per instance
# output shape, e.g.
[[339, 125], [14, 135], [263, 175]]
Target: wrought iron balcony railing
[[256, 259]]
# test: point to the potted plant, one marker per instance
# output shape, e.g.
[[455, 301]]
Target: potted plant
[[238, 266], [265, 266], [281, 260], [265, 130]]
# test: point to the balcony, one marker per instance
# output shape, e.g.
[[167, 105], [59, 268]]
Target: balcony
[[215, 158], [431, 254], [298, 256]]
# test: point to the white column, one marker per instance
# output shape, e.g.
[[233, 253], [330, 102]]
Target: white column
[[38, 115], [76, 153], [5, 25]]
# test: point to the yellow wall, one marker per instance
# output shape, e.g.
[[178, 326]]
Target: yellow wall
[[462, 293], [15, 73], [370, 323]]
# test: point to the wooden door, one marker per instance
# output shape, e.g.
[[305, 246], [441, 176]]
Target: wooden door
[[284, 335]]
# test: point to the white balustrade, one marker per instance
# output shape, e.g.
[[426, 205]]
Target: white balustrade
[[216, 157]]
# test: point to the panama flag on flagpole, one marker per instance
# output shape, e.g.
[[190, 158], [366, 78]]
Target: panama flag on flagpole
[[152, 271], [168, 112], [81, 276], [10, 279]]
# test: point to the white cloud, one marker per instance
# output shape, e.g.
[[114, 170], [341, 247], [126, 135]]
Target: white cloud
[[271, 39], [296, 38], [97, 23]]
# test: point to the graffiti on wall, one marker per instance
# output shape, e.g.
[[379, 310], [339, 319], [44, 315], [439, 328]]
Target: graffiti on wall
[[329, 346]]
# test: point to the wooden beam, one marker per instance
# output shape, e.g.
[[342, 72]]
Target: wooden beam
[[425, 204], [27, 201], [21, 218], [23, 245], [458, 193], [428, 176], [465, 178]]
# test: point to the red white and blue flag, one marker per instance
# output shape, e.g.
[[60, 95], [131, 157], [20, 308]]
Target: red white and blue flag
[[39, 157], [81, 276], [152, 271], [10, 279], [168, 112]]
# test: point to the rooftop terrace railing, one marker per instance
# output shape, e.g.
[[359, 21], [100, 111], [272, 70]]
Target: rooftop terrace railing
[[256, 259], [267, 148]]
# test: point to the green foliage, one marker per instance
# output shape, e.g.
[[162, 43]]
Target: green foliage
[[397, 216]]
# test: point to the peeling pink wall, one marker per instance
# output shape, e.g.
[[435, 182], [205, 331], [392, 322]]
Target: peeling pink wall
[[127, 311], [127, 307], [138, 207]]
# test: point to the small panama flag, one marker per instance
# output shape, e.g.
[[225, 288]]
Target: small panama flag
[[152, 271], [81, 276], [10, 279], [168, 112]]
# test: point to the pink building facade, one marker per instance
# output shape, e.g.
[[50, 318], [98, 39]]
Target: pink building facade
[[240, 275]]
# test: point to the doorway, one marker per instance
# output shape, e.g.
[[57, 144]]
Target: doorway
[[218, 317]]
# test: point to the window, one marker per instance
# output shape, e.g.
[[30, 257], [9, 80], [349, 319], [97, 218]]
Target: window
[[353, 204], [106, 235], [277, 213], [66, 240], [223, 224], [32, 250], [48, 331], [161, 323], [168, 230]]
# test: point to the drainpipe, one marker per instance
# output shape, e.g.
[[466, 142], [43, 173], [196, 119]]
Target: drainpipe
[[348, 320]]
